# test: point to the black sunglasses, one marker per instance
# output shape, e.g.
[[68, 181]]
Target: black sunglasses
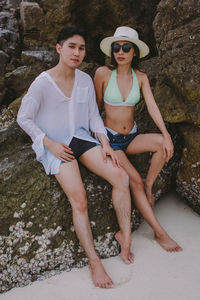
[[125, 47]]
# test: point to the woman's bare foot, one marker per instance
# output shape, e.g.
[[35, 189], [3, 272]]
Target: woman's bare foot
[[99, 275], [167, 243], [149, 194], [126, 255]]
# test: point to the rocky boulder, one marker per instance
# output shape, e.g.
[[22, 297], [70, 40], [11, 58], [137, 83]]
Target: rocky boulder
[[177, 27], [37, 234]]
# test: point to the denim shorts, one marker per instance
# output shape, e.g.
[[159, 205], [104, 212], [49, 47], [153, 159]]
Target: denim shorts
[[79, 146], [121, 141]]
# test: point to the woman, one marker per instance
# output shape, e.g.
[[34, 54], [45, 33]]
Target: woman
[[58, 113], [118, 89]]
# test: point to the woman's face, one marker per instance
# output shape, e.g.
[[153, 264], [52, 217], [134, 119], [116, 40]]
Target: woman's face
[[121, 56], [72, 51]]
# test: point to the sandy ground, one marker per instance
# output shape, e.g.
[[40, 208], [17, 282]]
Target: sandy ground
[[155, 274]]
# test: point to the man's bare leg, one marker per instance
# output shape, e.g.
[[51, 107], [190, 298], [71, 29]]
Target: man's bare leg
[[151, 142], [143, 205], [117, 177], [70, 180]]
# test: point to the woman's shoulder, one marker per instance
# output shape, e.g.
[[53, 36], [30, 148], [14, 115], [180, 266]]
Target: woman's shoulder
[[142, 76], [103, 72]]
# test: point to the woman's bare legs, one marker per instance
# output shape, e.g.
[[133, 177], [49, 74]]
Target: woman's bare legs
[[143, 205], [117, 177], [151, 142], [70, 180]]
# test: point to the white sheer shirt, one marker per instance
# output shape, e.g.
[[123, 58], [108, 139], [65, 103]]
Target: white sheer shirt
[[45, 110]]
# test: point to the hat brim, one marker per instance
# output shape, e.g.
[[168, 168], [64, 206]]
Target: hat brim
[[106, 43]]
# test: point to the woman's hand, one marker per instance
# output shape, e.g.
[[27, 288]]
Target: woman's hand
[[108, 151], [59, 150], [168, 147]]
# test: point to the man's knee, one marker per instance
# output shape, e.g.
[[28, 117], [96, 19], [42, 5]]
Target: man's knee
[[78, 201]]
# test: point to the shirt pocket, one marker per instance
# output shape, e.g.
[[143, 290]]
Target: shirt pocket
[[82, 94]]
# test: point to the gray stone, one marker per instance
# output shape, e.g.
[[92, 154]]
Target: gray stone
[[20, 79], [36, 233], [44, 56], [177, 26], [32, 16], [4, 58]]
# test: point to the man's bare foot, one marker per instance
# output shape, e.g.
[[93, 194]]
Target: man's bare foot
[[126, 255], [99, 275], [167, 243], [149, 194]]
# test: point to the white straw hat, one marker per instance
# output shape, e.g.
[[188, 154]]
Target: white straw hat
[[124, 33]]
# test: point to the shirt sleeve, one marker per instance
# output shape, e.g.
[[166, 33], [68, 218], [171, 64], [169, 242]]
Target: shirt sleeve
[[95, 120], [26, 118]]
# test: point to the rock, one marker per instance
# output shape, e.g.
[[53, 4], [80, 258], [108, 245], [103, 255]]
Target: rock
[[2, 88], [47, 58], [177, 91], [20, 79], [107, 16], [32, 16], [165, 181], [4, 58], [188, 178], [9, 31], [42, 20], [36, 219], [178, 45], [37, 234], [14, 3], [8, 117]]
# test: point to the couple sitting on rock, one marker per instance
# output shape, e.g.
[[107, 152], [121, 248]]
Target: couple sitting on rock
[[59, 112]]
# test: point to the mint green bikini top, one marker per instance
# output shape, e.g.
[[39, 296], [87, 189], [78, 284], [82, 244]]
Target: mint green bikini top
[[112, 93]]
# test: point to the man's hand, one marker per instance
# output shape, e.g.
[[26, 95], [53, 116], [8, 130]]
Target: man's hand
[[59, 150]]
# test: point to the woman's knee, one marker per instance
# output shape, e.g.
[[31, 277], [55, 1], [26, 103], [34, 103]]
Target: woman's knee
[[137, 183], [159, 142], [120, 178]]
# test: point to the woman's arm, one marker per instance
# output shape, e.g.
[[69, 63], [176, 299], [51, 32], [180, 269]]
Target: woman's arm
[[97, 126], [156, 116], [107, 150], [99, 85]]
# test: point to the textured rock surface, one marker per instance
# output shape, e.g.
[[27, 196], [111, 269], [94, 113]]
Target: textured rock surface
[[177, 28], [188, 178], [109, 14], [36, 222], [167, 177], [33, 26], [36, 231], [177, 31]]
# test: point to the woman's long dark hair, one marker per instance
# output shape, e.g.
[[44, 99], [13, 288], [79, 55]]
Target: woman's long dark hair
[[135, 61]]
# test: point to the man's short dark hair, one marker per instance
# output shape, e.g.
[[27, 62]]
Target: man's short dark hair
[[68, 32]]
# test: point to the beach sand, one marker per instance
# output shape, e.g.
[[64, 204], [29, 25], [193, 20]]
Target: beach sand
[[155, 274]]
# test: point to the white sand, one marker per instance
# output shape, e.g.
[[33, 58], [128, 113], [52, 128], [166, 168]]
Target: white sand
[[155, 274]]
